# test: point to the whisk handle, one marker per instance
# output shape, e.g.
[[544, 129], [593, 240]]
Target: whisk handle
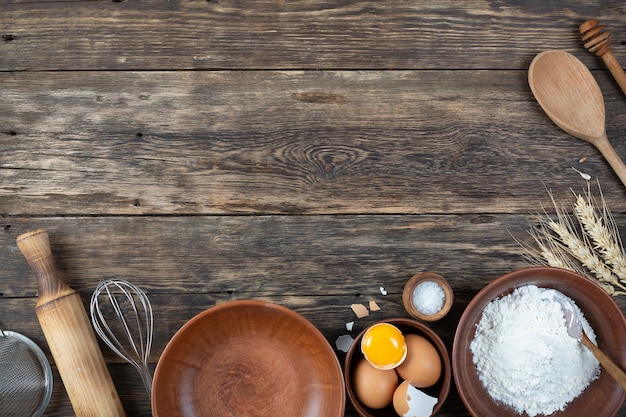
[[69, 334]]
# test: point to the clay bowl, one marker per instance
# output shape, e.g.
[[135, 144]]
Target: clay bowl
[[413, 283], [602, 398], [406, 326], [248, 358]]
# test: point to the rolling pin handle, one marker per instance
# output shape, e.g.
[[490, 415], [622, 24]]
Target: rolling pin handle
[[35, 246]]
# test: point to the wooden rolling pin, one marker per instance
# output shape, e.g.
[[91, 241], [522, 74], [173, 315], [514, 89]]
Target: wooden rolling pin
[[69, 334]]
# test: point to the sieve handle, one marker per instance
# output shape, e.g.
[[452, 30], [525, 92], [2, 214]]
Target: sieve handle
[[69, 334]]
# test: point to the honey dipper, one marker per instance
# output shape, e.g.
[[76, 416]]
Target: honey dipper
[[597, 41]]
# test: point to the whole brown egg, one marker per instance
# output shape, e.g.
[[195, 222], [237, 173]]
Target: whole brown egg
[[374, 387], [422, 365]]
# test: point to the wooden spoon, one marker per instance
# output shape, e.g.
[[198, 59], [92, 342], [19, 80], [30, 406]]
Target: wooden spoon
[[571, 97], [575, 330]]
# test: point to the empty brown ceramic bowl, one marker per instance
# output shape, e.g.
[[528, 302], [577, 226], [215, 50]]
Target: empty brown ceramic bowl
[[248, 358], [406, 326], [410, 288], [603, 397]]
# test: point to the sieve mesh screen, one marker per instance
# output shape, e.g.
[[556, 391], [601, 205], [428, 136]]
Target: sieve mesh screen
[[25, 377]]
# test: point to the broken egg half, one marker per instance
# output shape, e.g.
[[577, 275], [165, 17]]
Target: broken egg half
[[409, 401], [384, 346]]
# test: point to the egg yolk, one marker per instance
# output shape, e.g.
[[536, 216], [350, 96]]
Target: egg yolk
[[383, 346]]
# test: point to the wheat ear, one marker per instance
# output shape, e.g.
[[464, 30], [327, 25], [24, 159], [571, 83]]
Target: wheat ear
[[587, 243], [578, 247], [602, 239], [603, 231], [548, 252]]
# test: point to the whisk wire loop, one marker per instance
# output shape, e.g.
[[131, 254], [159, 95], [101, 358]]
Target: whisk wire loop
[[126, 305]]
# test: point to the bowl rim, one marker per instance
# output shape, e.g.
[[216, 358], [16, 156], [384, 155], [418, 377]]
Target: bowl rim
[[234, 304], [412, 284], [541, 274], [425, 330]]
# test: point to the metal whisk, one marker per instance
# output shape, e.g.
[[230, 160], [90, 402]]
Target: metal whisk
[[121, 315]]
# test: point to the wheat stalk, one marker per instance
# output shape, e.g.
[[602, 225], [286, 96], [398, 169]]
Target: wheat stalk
[[602, 231], [594, 249], [549, 252]]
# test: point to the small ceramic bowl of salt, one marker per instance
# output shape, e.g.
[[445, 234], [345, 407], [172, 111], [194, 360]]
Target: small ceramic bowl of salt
[[427, 296]]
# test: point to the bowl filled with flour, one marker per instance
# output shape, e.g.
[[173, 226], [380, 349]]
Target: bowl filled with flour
[[512, 354]]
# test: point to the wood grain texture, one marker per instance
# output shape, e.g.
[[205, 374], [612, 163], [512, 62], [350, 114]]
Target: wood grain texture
[[286, 142], [222, 34], [265, 255], [301, 152]]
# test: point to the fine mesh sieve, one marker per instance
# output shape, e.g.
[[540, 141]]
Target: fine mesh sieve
[[25, 377]]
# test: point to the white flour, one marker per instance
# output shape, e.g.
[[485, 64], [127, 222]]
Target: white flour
[[524, 356]]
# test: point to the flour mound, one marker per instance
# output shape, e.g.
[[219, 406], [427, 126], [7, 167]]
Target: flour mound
[[524, 356]]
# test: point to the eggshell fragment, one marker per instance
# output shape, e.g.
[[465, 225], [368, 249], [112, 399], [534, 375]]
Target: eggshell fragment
[[360, 310], [374, 387], [344, 342], [374, 306], [408, 401]]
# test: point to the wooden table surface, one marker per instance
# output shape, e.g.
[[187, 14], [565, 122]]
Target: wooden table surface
[[301, 152]]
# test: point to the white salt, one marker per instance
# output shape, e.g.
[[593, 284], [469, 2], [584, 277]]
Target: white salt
[[429, 297]]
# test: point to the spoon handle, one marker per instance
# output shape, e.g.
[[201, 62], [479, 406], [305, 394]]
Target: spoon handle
[[615, 371], [614, 160]]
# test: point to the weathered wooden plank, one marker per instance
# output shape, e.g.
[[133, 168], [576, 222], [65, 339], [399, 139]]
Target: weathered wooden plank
[[296, 256], [286, 142], [317, 265], [97, 35]]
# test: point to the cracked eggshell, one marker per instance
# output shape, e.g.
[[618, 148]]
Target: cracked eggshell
[[409, 401]]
